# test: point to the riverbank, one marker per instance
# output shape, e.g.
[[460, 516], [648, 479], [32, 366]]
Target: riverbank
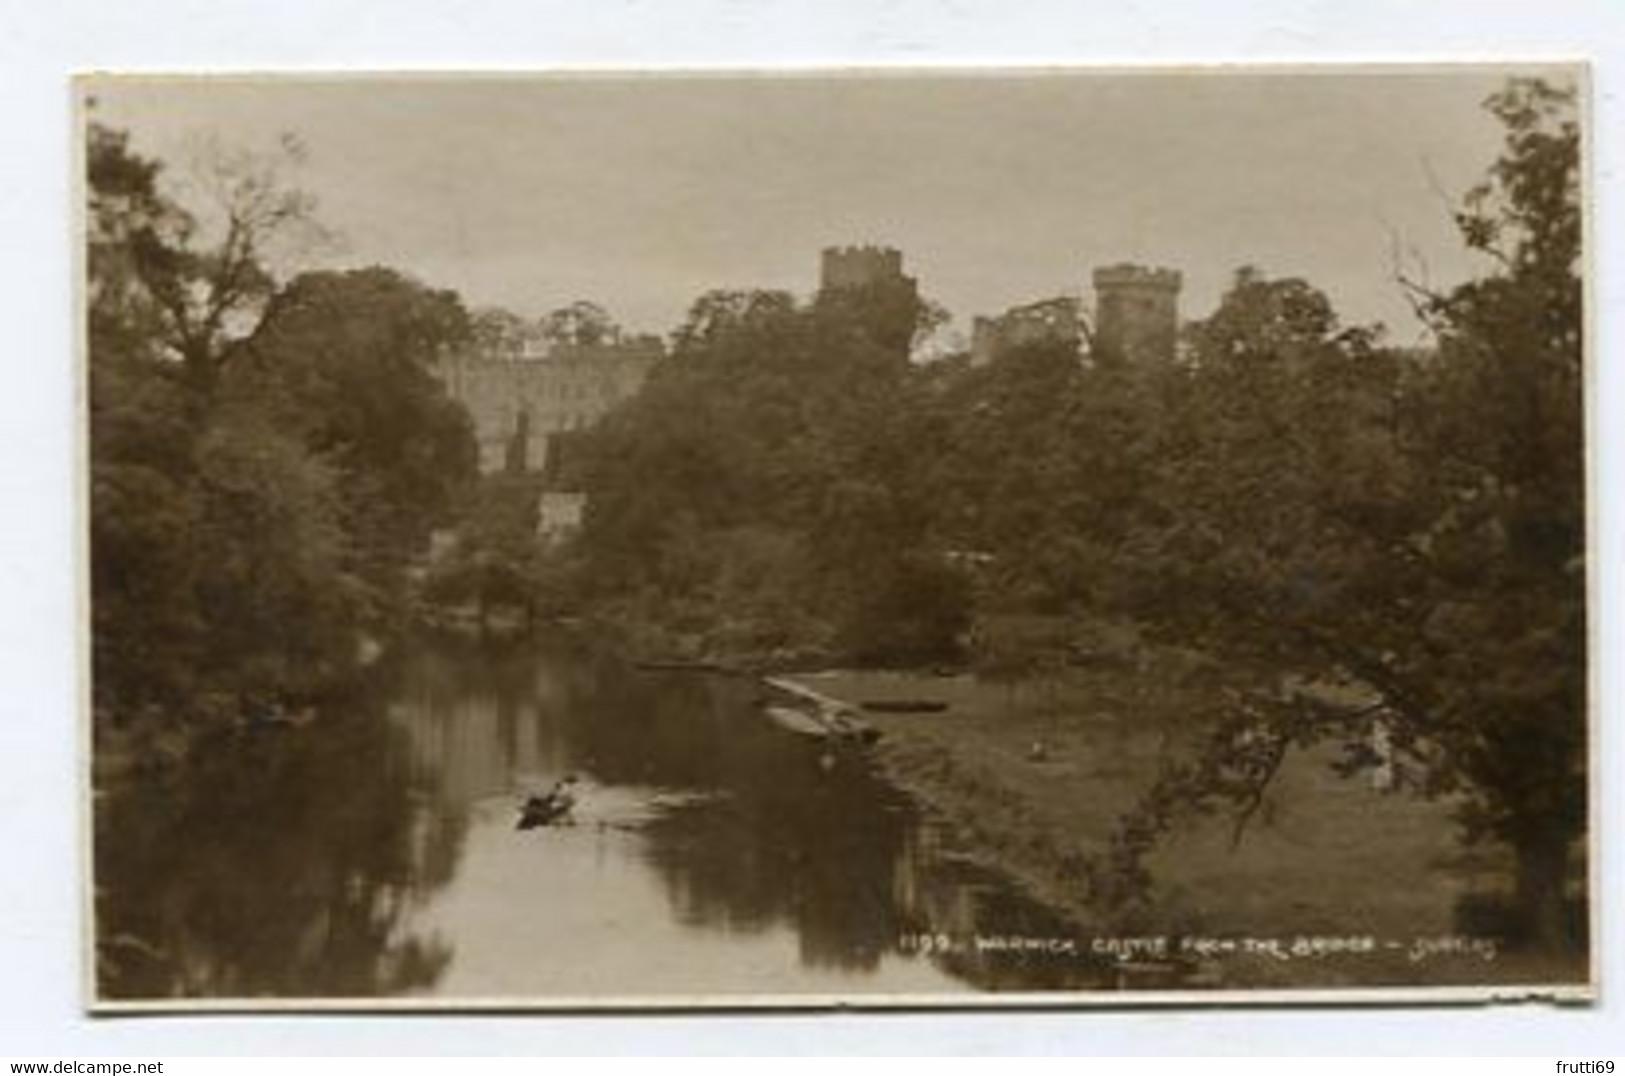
[[1031, 781], [156, 741]]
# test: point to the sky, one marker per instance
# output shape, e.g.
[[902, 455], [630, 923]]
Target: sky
[[642, 192]]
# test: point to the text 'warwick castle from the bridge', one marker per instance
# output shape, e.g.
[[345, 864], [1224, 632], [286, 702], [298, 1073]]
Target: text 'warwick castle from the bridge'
[[520, 403]]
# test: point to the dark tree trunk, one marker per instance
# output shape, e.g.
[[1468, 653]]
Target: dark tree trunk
[[202, 370]]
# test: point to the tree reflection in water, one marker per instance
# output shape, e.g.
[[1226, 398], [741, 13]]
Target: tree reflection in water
[[284, 863], [776, 838], [305, 862]]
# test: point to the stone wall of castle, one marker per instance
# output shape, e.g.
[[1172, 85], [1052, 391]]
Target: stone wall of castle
[[519, 404], [1049, 321], [1136, 320]]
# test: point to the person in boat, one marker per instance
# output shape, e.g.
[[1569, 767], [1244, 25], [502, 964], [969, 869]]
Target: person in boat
[[553, 807]]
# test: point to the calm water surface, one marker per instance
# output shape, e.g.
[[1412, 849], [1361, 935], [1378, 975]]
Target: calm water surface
[[375, 854]]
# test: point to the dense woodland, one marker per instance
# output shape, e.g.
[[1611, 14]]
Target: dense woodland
[[1293, 499]]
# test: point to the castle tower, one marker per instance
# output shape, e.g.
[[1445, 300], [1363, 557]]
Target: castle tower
[[856, 268], [1136, 314], [866, 285]]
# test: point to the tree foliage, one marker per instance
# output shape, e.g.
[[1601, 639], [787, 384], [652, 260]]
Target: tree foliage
[[1411, 528], [770, 433], [502, 333], [263, 460], [580, 324], [345, 360], [202, 271]]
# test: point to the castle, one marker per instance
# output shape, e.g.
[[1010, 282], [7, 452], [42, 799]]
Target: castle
[[1136, 320], [523, 401], [521, 404]]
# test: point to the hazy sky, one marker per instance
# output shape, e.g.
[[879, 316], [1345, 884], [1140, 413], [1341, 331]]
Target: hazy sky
[[642, 192]]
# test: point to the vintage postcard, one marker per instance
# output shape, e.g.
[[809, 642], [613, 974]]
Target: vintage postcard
[[866, 538]]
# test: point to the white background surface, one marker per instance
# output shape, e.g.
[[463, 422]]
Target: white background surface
[[41, 43]]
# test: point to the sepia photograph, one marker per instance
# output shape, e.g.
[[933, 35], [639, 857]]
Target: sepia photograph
[[936, 537]]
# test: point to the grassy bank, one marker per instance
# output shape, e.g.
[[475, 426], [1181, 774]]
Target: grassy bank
[[1032, 780]]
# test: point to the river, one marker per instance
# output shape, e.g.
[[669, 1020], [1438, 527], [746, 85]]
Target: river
[[373, 854]]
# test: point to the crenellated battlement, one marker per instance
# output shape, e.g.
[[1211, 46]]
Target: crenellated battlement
[[857, 266], [866, 252], [1126, 275]]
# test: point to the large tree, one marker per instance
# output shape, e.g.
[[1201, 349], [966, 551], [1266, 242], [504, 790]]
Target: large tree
[[264, 461], [774, 434], [202, 269], [580, 324], [1502, 417], [346, 360], [500, 333], [215, 559], [1411, 528]]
